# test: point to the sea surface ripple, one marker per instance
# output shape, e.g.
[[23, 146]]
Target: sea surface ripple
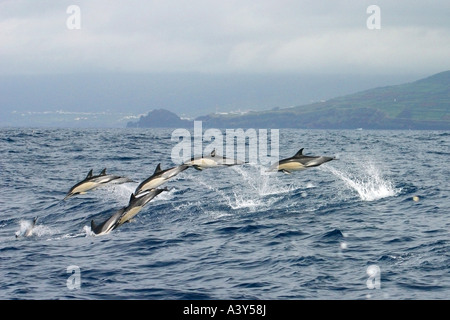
[[228, 233]]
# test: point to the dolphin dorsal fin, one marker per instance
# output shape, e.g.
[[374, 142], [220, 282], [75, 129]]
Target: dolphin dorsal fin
[[89, 175], [299, 153], [132, 198], [103, 173], [158, 168], [93, 225], [213, 153]]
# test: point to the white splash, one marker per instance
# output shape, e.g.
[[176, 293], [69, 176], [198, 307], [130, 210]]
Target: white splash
[[239, 201], [42, 230], [118, 192], [28, 228], [166, 195], [88, 231], [309, 185], [219, 214], [369, 183], [25, 229], [258, 188], [263, 182]]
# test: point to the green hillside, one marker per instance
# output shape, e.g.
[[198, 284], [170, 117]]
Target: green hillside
[[423, 104]]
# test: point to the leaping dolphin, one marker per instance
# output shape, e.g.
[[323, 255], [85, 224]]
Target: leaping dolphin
[[125, 214], [158, 178], [299, 162], [211, 161], [136, 204], [92, 182], [107, 225], [26, 230]]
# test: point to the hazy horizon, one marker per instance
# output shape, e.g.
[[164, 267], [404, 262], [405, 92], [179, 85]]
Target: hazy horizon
[[112, 100], [66, 63]]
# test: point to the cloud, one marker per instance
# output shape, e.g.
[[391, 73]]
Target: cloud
[[223, 37]]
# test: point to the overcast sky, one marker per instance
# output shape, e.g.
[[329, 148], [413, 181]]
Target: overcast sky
[[226, 36]]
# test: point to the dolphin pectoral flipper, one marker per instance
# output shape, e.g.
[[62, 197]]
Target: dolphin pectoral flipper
[[197, 167], [285, 171]]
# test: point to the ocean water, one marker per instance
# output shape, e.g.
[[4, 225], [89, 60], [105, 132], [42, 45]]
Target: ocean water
[[372, 225]]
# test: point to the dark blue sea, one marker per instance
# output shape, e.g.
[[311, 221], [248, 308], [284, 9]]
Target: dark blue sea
[[374, 224]]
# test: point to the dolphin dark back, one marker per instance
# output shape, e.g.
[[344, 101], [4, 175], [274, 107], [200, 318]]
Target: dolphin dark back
[[92, 182], [107, 225], [299, 162]]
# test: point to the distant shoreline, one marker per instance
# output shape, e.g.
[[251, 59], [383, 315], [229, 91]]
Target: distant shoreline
[[419, 105]]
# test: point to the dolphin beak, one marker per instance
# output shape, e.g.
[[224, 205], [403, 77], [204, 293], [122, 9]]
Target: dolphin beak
[[68, 196]]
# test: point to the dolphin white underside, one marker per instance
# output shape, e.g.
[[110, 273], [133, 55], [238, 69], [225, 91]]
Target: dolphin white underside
[[152, 184], [84, 187], [130, 214], [290, 166], [203, 163]]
